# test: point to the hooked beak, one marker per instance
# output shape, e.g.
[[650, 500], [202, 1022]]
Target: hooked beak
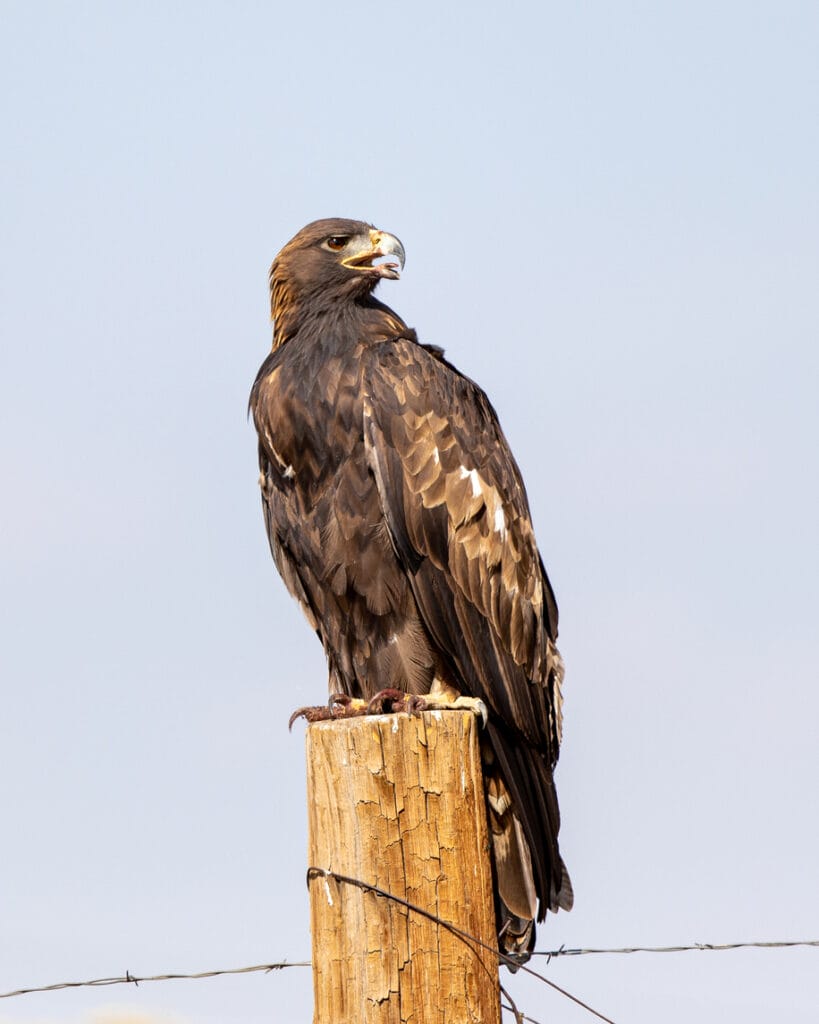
[[379, 244]]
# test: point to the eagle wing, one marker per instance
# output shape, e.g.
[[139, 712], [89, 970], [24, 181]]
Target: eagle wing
[[457, 511]]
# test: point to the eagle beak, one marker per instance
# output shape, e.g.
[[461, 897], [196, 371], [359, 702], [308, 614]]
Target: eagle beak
[[379, 244]]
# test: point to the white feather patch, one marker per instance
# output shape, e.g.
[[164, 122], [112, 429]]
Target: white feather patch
[[474, 478]]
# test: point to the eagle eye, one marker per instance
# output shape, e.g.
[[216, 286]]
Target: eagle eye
[[337, 242]]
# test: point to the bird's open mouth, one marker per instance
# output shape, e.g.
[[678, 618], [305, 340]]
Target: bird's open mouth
[[376, 257], [377, 261]]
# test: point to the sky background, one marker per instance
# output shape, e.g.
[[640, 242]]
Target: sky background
[[611, 218]]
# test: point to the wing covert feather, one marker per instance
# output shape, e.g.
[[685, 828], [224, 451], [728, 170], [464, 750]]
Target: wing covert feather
[[459, 518]]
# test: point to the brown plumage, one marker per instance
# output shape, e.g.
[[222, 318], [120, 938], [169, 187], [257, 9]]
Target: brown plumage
[[398, 518]]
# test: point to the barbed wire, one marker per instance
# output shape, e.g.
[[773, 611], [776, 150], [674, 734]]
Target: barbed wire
[[132, 979], [314, 872], [702, 947]]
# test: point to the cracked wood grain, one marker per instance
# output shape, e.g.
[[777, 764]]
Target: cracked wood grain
[[398, 801]]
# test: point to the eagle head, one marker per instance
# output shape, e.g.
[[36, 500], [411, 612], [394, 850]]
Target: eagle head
[[332, 260]]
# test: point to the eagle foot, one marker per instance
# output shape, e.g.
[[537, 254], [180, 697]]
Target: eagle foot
[[338, 706], [442, 702], [390, 701]]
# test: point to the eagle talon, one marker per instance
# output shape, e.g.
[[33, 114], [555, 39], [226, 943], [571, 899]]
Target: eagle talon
[[416, 703], [310, 714], [387, 702], [475, 705], [343, 706], [338, 706], [443, 702]]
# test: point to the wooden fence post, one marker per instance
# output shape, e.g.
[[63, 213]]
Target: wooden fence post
[[397, 801]]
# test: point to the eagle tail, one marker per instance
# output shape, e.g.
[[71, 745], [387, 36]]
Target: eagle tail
[[516, 896], [519, 882], [516, 904], [562, 897]]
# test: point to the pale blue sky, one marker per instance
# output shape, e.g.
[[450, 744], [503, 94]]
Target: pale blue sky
[[611, 218]]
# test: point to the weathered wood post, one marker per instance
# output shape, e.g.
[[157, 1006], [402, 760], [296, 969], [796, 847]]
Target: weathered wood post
[[397, 801]]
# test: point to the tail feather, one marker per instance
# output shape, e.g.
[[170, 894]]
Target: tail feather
[[516, 877]]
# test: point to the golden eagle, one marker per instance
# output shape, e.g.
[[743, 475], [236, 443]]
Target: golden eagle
[[398, 518]]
